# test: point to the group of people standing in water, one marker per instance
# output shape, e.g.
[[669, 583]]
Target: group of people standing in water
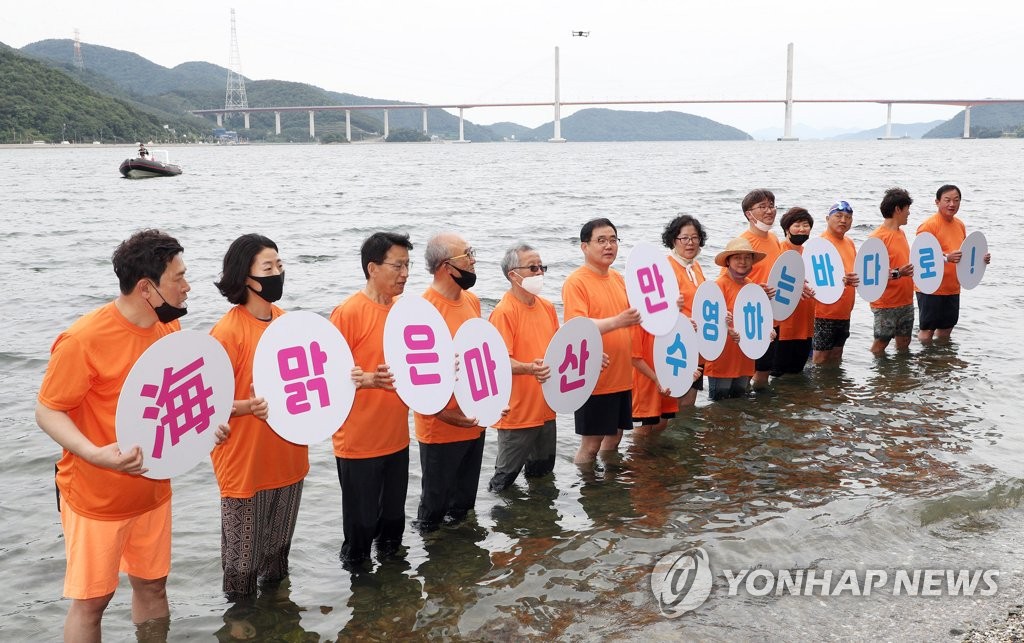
[[116, 520]]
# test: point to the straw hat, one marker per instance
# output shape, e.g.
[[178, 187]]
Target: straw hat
[[737, 246]]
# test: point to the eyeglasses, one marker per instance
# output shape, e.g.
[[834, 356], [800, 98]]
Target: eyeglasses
[[606, 241], [762, 206], [469, 253], [684, 240], [533, 269], [398, 265]]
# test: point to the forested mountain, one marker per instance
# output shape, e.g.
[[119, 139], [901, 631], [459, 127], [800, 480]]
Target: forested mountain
[[598, 124], [987, 121]]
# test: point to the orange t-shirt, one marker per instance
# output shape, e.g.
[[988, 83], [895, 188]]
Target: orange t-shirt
[[732, 362], [687, 286], [254, 457], [429, 429], [527, 329], [842, 308], [647, 401], [799, 325], [771, 248], [951, 235], [898, 292], [89, 363], [378, 423], [588, 294]]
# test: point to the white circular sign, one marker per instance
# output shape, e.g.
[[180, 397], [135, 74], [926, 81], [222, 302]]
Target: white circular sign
[[971, 268], [483, 385], [174, 398], [574, 356], [652, 288], [872, 266], [929, 265], [823, 267], [419, 349], [675, 357], [303, 367], [752, 319], [708, 311], [787, 278]]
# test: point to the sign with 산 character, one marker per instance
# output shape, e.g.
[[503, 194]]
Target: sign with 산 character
[[926, 255], [971, 268], [709, 311], [872, 266], [823, 267], [675, 357], [421, 353], [303, 367], [752, 319], [174, 398], [574, 356], [787, 277], [652, 288], [483, 385]]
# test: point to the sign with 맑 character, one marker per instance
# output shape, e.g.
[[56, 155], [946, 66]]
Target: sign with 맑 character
[[787, 278], [303, 368], [971, 268], [652, 288], [872, 266], [823, 266], [752, 319], [676, 357], [574, 355], [929, 264], [421, 353], [709, 311], [174, 398], [483, 384]]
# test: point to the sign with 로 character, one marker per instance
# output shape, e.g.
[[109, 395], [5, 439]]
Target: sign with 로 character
[[787, 277], [971, 268], [709, 311], [483, 385], [675, 357], [574, 355], [303, 368], [823, 267], [421, 353], [752, 319], [174, 398], [929, 264], [872, 266], [652, 288]]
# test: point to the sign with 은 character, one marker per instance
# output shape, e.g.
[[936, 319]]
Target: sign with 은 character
[[872, 266], [972, 264], [421, 353]]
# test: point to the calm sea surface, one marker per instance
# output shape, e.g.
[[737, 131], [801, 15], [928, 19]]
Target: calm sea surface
[[904, 462]]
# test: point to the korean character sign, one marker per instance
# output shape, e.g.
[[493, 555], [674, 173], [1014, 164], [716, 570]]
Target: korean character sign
[[483, 384], [303, 367], [652, 288], [929, 264], [709, 311], [787, 277], [823, 267], [752, 319], [574, 355], [675, 357], [872, 266], [174, 398], [421, 353], [972, 264]]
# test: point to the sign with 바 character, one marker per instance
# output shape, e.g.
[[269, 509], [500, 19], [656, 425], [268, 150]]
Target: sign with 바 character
[[823, 266], [421, 353], [303, 367], [675, 357], [574, 355], [929, 264], [483, 385], [752, 319], [971, 268], [709, 311], [174, 398], [787, 277], [872, 266], [652, 288]]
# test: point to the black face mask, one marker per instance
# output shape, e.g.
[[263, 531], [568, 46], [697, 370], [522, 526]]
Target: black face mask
[[798, 239], [465, 280], [165, 312], [272, 285]]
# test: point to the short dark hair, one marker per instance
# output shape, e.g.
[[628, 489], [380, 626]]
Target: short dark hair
[[946, 188], [587, 230], [894, 199], [793, 215], [144, 255], [668, 237], [375, 248], [756, 196], [238, 265]]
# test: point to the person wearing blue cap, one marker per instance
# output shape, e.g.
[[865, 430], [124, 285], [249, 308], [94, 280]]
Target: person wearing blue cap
[[832, 321]]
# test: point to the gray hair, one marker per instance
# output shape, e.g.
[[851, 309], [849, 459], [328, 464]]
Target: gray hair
[[437, 251], [511, 258]]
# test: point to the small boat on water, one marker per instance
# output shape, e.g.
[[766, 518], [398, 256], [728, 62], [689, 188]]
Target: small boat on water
[[149, 164]]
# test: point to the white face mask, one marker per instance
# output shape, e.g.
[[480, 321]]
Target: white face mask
[[533, 285], [762, 226]]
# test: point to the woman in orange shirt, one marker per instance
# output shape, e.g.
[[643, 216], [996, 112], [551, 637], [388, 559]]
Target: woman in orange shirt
[[685, 236]]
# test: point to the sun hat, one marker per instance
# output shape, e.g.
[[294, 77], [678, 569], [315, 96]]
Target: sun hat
[[737, 246]]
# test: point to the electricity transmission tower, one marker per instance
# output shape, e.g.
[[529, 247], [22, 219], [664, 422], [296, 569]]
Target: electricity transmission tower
[[235, 98], [79, 63]]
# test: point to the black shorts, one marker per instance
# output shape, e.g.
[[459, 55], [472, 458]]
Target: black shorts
[[791, 356], [767, 361], [830, 333], [651, 421], [605, 414], [938, 311]]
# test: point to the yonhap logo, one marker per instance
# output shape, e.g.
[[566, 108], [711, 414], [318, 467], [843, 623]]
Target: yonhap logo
[[681, 582]]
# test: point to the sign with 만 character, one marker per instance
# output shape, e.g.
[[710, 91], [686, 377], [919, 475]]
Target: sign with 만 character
[[421, 353], [302, 367], [174, 398], [652, 288], [483, 385], [872, 266], [752, 319], [971, 268], [929, 264], [823, 266], [675, 357], [574, 355], [709, 311], [787, 278]]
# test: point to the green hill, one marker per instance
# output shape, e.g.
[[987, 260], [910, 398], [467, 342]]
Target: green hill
[[598, 124], [987, 121]]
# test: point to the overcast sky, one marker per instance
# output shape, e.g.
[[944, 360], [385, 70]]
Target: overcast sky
[[489, 51]]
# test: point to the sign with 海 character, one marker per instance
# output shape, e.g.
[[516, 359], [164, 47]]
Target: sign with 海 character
[[823, 268], [752, 319], [675, 357], [483, 385], [787, 278], [174, 398], [929, 264], [302, 367], [709, 311], [421, 353], [652, 288], [971, 268], [872, 266], [574, 356]]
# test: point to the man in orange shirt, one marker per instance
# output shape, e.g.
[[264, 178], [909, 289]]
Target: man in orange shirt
[[597, 291], [832, 321], [940, 311], [796, 331], [894, 310], [371, 449], [451, 444], [527, 322]]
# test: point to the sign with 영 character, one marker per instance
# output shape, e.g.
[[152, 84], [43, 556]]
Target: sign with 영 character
[[709, 312], [419, 349], [483, 385]]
